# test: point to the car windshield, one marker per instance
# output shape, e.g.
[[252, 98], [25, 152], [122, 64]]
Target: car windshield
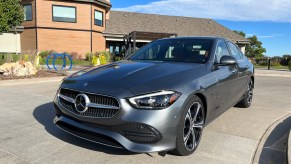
[[175, 50]]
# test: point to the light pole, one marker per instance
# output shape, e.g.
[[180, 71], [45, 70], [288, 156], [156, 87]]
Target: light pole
[[269, 63]]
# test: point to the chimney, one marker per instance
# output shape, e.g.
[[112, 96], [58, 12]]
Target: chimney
[[108, 13]]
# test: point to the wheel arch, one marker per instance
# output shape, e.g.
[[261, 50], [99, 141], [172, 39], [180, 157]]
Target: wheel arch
[[253, 79], [204, 101]]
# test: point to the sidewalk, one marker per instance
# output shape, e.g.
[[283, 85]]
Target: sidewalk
[[65, 71]]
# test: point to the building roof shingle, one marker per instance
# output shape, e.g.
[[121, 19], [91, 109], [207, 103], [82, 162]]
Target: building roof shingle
[[103, 3], [121, 22]]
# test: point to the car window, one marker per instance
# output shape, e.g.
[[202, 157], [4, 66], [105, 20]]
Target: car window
[[221, 50], [241, 53], [175, 50], [234, 51]]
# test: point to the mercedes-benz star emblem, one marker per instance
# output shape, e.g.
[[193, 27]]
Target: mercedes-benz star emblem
[[81, 103]]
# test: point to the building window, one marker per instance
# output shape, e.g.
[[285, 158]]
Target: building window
[[98, 18], [64, 14], [27, 12]]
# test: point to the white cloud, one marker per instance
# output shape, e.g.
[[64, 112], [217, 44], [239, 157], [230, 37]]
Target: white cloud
[[265, 36], [269, 36], [238, 10]]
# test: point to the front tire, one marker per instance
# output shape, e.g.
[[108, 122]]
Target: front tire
[[248, 96], [190, 127]]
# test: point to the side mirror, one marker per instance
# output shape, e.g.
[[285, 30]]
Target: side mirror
[[227, 61]]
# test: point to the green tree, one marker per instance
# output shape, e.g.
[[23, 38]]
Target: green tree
[[240, 33], [255, 48], [11, 14]]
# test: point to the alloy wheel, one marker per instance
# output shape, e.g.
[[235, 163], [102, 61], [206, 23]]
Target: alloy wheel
[[250, 92], [193, 126]]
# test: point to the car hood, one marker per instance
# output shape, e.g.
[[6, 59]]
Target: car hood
[[138, 77]]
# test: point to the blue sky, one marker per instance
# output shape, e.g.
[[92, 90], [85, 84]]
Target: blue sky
[[269, 20]]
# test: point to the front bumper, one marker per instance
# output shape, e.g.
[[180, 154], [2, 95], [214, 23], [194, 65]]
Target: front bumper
[[136, 130]]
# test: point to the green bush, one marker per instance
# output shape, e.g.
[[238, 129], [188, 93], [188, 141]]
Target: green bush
[[285, 60], [8, 58], [75, 56], [94, 61], [263, 62], [46, 53], [103, 59], [275, 64], [107, 55], [289, 65], [89, 56], [117, 58]]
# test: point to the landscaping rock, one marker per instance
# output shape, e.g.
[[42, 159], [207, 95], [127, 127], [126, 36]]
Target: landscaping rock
[[18, 69], [7, 68]]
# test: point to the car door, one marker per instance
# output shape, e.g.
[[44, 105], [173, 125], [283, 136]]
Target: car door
[[242, 67], [226, 76]]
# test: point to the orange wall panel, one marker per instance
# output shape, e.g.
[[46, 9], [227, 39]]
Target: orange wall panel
[[64, 41], [98, 42], [28, 40]]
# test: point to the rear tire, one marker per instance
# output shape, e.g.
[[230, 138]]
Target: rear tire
[[248, 96], [190, 127]]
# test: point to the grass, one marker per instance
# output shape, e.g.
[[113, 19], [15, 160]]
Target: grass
[[272, 67], [3, 57], [75, 62]]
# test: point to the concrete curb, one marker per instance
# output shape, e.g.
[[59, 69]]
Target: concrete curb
[[30, 81], [262, 140], [289, 149]]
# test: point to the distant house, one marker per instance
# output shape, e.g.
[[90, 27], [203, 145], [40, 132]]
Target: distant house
[[122, 23], [88, 26]]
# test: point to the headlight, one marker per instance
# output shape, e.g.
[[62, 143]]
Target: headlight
[[159, 100]]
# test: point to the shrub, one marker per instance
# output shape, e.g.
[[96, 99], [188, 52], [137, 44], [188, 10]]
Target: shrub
[[117, 58], [103, 59], [89, 56], [46, 53], [75, 56], [289, 65], [275, 64], [285, 60], [263, 62], [94, 60], [107, 55]]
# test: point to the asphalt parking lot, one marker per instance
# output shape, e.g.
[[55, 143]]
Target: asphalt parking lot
[[28, 135]]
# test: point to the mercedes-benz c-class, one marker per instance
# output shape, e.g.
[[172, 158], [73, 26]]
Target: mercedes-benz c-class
[[158, 99]]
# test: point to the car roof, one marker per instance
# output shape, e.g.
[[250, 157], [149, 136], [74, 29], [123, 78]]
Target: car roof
[[195, 37]]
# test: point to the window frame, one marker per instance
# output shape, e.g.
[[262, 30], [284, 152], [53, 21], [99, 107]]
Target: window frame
[[66, 7], [102, 25], [31, 12]]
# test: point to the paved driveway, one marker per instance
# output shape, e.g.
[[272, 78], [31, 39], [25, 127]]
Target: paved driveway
[[27, 134]]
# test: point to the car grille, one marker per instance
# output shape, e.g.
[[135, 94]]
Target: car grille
[[106, 106]]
